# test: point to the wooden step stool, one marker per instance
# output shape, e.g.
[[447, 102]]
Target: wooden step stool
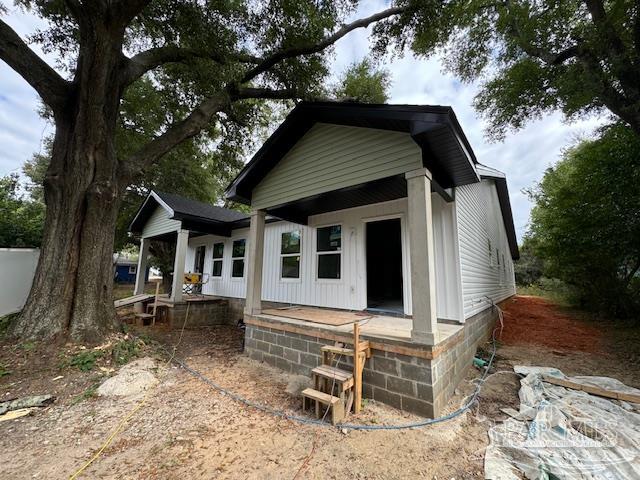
[[313, 397], [335, 381]]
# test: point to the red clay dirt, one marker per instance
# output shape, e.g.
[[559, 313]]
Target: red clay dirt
[[532, 320]]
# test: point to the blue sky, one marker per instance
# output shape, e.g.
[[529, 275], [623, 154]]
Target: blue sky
[[523, 156]]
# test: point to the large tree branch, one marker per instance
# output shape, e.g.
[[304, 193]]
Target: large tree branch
[[145, 61], [291, 52], [194, 123], [51, 87]]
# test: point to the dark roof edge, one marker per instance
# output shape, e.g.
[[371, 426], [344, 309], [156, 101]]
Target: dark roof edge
[[158, 200], [231, 191], [507, 214]]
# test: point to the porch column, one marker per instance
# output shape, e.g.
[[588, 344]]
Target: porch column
[[421, 254], [253, 304], [142, 266], [182, 242]]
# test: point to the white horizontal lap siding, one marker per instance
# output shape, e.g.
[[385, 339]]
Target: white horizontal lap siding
[[159, 223], [330, 157], [479, 219]]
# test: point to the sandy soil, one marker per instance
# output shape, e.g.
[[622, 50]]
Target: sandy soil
[[187, 430]]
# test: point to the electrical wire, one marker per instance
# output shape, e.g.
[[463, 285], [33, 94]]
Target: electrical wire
[[133, 411], [473, 398]]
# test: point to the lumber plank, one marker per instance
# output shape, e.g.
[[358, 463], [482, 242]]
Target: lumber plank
[[321, 397], [592, 389]]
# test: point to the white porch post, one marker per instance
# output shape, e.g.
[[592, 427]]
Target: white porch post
[[142, 266], [182, 242], [253, 304], [421, 254]]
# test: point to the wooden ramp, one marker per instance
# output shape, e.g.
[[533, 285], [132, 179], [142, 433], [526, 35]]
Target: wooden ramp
[[318, 315], [128, 301]]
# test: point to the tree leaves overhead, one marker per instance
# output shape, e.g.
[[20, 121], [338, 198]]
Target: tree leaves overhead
[[362, 82], [531, 57]]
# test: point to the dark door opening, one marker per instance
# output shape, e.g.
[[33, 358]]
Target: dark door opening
[[198, 264], [384, 266]]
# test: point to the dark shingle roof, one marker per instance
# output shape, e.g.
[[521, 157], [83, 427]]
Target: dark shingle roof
[[182, 206], [194, 215]]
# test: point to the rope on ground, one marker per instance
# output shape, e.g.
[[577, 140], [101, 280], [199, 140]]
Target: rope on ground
[[132, 412], [473, 398]]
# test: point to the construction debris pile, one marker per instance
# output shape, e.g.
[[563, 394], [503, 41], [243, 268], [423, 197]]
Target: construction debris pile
[[567, 428]]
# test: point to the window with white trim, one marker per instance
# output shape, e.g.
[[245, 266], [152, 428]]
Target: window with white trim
[[133, 269], [218, 253], [237, 258], [329, 251], [290, 248]]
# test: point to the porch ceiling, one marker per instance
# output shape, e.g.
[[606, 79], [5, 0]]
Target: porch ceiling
[[377, 191], [383, 190]]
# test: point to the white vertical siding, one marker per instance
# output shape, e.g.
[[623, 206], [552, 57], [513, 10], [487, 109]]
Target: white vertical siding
[[348, 292], [159, 223], [448, 287], [479, 220]]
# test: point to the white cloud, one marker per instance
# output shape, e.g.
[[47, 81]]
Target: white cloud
[[523, 156], [21, 128]]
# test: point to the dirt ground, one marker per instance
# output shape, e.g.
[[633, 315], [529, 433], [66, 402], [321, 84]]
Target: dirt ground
[[185, 429]]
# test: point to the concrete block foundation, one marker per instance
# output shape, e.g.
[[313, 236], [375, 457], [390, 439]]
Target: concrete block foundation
[[420, 382]]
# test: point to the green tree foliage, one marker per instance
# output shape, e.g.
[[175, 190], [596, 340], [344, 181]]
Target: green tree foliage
[[528, 269], [362, 82], [20, 218], [532, 57], [586, 220]]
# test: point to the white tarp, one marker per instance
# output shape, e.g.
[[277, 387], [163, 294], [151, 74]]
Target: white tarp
[[561, 433]]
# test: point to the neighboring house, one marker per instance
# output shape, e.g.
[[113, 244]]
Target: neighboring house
[[126, 269], [382, 208]]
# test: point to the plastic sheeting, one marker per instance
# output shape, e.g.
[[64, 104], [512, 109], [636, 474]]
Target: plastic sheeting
[[560, 433]]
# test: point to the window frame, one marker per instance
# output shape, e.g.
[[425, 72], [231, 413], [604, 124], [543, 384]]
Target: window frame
[[297, 279], [215, 259], [234, 259], [134, 268], [339, 252]]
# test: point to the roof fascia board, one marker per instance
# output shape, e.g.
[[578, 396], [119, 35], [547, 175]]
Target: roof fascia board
[[163, 204], [160, 202]]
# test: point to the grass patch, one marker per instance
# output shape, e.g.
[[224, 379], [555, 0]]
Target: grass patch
[[90, 392], [28, 346], [85, 361], [125, 350], [3, 371], [552, 289]]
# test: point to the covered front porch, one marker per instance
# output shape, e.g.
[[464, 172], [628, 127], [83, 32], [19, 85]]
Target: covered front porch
[[174, 220], [381, 330], [416, 259]]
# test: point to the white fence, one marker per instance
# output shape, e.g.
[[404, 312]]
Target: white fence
[[17, 267]]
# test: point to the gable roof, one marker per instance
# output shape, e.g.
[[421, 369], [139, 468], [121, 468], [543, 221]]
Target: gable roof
[[186, 208], [199, 216], [446, 152]]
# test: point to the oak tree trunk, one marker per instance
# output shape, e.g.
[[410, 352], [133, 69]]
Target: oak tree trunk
[[73, 283]]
